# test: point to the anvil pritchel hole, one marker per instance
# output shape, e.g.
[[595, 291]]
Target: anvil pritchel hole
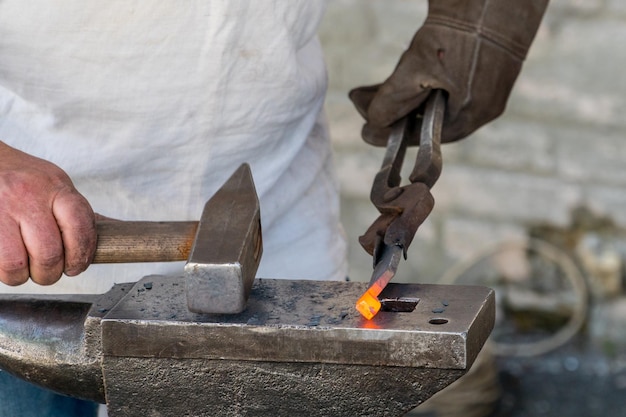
[[399, 305], [438, 321]]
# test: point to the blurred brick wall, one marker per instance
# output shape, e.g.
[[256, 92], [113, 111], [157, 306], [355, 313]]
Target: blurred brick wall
[[560, 144]]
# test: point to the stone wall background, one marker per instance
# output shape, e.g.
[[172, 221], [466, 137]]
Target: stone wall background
[[554, 164]]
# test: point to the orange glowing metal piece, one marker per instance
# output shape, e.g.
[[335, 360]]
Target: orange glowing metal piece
[[368, 304]]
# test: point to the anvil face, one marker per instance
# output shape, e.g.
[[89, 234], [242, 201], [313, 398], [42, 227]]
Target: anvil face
[[305, 321]]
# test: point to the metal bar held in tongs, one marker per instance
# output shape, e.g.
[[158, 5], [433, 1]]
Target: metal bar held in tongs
[[403, 208]]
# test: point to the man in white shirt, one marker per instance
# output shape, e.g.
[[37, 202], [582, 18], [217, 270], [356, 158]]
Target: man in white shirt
[[139, 111]]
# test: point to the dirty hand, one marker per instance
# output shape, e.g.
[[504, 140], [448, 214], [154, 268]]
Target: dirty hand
[[46, 227], [472, 49]]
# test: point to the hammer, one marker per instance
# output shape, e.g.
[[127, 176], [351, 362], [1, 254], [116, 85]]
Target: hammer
[[222, 250]]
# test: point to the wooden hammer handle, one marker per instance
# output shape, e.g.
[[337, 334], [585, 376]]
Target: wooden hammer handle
[[140, 241]]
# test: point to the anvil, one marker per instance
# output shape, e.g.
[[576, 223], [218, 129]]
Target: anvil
[[299, 348]]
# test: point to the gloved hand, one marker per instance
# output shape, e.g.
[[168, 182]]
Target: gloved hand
[[46, 226], [472, 49]]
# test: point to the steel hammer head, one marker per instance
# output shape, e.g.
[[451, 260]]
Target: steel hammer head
[[227, 249]]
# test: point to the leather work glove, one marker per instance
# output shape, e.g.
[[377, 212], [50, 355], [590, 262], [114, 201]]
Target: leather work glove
[[471, 49]]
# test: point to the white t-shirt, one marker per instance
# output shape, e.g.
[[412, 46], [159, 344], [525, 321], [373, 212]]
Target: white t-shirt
[[150, 107]]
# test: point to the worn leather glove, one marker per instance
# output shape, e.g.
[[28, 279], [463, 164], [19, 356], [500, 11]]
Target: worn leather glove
[[472, 49]]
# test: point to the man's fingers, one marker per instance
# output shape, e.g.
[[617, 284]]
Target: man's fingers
[[45, 244], [42, 240], [76, 222], [13, 255]]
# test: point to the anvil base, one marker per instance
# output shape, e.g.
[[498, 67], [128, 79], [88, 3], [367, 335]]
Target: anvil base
[[209, 388]]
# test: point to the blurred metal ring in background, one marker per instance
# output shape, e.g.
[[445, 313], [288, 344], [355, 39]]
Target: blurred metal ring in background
[[579, 294]]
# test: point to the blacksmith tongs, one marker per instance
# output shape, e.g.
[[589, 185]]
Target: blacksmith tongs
[[403, 208]]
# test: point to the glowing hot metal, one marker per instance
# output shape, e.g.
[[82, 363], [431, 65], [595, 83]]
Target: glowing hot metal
[[368, 304]]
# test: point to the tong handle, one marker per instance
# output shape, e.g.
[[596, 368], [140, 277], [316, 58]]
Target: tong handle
[[429, 162], [404, 208]]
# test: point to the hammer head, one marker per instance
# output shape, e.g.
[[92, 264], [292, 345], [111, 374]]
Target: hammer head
[[227, 249]]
